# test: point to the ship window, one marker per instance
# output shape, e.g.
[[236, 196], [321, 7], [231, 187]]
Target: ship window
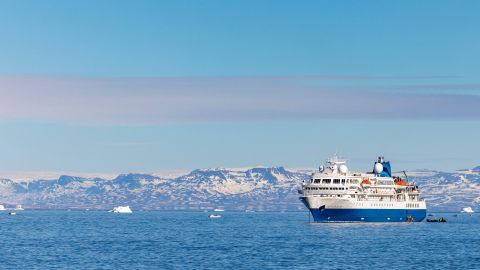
[[343, 181], [336, 181], [317, 181], [326, 181]]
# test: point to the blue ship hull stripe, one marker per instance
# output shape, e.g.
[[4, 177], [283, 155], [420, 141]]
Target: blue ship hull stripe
[[367, 215]]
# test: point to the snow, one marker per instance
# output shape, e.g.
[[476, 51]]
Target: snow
[[238, 188]]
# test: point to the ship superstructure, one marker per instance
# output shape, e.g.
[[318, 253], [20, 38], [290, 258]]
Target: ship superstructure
[[334, 194]]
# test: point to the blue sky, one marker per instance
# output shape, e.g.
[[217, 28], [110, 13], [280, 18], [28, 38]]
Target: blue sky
[[121, 86]]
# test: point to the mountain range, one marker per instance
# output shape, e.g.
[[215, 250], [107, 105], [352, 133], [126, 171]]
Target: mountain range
[[256, 188]]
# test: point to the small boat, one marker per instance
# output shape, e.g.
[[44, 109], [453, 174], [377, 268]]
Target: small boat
[[12, 213], [218, 210], [122, 209], [437, 220], [19, 207], [2, 207], [215, 216]]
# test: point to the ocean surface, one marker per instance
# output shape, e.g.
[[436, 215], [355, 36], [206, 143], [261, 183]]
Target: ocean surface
[[190, 240]]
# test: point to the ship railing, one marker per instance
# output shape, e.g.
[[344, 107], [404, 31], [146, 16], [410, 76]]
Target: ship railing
[[321, 193], [378, 199]]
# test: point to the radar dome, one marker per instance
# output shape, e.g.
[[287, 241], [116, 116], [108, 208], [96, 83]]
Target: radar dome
[[343, 169], [378, 168], [334, 168]]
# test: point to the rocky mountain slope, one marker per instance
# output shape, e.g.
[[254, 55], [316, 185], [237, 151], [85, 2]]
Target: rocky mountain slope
[[258, 188]]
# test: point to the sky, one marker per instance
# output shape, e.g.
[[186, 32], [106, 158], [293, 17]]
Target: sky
[[118, 86]]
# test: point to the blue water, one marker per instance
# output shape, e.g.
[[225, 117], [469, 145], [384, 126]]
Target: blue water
[[187, 240]]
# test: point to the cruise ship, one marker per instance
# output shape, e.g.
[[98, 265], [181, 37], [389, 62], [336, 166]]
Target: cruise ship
[[334, 194]]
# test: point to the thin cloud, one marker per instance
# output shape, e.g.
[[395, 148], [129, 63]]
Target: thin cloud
[[190, 99]]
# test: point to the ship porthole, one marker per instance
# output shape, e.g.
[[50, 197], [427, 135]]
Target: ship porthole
[[362, 218], [388, 218]]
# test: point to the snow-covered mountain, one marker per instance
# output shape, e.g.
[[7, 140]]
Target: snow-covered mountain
[[450, 191], [257, 188]]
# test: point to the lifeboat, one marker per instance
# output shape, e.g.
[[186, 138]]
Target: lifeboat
[[366, 182], [400, 183]]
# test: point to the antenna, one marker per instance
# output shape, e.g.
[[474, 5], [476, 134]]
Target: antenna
[[406, 176]]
